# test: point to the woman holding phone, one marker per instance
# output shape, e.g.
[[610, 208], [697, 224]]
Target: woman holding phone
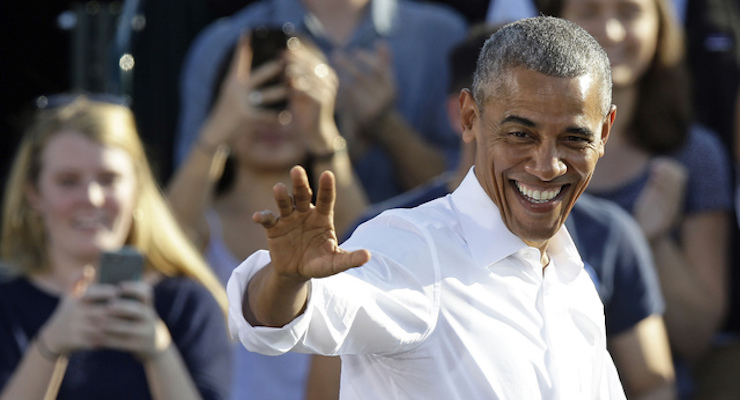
[[81, 186], [215, 202]]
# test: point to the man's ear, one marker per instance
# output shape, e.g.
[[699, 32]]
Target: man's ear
[[468, 115], [606, 127]]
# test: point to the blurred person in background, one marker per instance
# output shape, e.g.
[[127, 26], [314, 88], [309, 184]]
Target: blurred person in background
[[669, 172], [241, 151], [80, 186], [390, 58]]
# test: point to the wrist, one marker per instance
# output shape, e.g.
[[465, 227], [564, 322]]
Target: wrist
[[377, 129], [162, 344], [42, 346], [207, 147], [338, 145]]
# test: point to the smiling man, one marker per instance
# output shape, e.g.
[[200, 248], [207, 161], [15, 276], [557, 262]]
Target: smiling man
[[477, 295]]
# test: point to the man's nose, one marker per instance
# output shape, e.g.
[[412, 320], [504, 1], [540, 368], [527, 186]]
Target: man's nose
[[546, 163]]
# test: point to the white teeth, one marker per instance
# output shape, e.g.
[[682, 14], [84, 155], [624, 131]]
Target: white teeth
[[537, 196]]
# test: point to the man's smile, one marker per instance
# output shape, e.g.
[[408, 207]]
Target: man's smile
[[538, 195]]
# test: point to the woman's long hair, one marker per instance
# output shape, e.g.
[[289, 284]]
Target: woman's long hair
[[154, 230]]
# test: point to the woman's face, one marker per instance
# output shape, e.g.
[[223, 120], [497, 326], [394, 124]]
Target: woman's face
[[85, 195], [627, 29]]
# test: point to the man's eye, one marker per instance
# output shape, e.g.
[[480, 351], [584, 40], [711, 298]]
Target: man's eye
[[519, 134], [578, 141]]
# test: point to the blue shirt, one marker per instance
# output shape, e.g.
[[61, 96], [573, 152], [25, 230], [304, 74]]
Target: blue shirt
[[610, 242], [709, 187], [194, 319], [419, 35]]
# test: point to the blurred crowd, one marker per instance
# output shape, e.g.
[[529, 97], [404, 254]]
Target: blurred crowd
[[172, 156]]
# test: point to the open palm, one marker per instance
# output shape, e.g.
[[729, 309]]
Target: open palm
[[302, 240]]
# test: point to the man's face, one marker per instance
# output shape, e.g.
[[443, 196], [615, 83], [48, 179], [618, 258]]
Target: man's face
[[538, 140]]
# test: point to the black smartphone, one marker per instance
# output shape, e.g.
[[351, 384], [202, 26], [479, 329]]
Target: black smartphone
[[126, 264], [267, 43]]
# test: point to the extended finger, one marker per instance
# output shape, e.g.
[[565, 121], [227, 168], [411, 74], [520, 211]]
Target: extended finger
[[301, 190], [266, 218], [346, 260], [97, 293], [243, 58], [326, 196], [283, 200], [136, 290], [264, 73], [268, 95]]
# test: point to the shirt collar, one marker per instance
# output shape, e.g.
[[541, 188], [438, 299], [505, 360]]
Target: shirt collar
[[490, 241]]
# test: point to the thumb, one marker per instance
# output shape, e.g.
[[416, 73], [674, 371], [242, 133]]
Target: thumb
[[86, 278]]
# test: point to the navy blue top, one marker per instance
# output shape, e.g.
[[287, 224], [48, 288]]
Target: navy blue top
[[710, 184], [612, 246], [195, 321]]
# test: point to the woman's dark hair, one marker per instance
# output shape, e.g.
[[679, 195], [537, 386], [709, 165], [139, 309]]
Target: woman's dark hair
[[663, 112]]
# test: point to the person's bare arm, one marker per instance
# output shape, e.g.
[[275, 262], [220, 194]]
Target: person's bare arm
[[190, 191], [323, 378], [368, 94], [312, 100], [693, 278], [303, 245], [419, 160], [692, 270], [642, 356]]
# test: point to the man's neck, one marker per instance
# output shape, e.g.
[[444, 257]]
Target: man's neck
[[339, 18]]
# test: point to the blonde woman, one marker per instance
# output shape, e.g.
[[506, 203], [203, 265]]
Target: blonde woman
[[81, 185]]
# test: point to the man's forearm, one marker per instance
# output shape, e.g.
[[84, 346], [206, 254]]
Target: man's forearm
[[272, 300]]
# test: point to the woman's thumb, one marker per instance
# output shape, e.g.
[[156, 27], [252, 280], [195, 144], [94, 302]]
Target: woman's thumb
[[86, 277]]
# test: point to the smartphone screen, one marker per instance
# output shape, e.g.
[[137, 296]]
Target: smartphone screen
[[267, 44], [126, 264]]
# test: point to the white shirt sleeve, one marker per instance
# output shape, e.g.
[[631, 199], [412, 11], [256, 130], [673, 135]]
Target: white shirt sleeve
[[386, 306]]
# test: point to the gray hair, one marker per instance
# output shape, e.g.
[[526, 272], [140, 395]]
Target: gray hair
[[548, 45]]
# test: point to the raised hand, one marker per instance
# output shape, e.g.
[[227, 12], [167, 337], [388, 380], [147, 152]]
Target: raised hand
[[241, 95], [302, 240], [303, 245], [313, 90], [367, 88], [659, 205]]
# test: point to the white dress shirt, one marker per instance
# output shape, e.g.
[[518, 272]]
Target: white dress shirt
[[452, 305]]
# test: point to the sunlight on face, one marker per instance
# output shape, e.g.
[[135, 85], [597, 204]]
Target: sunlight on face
[[537, 146], [85, 194], [626, 29]]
